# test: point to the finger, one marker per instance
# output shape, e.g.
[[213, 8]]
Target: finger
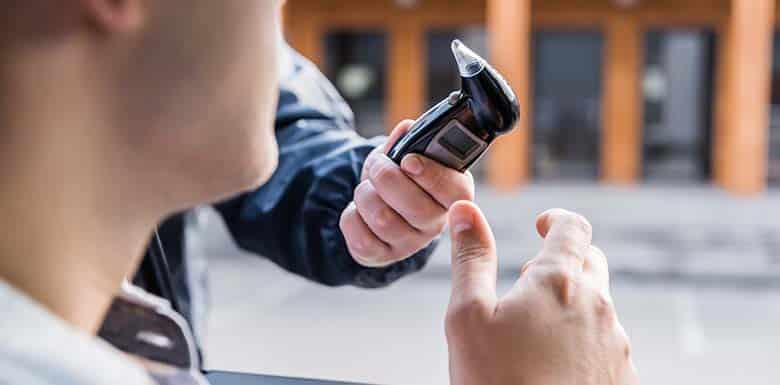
[[597, 269], [444, 184], [474, 260], [386, 224], [399, 131], [527, 265], [363, 245], [567, 237], [596, 266], [405, 197]]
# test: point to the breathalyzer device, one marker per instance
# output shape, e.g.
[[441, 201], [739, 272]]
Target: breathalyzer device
[[458, 130]]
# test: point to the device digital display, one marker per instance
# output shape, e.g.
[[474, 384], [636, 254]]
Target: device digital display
[[458, 142]]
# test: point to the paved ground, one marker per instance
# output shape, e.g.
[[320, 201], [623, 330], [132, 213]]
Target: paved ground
[[688, 232], [697, 284]]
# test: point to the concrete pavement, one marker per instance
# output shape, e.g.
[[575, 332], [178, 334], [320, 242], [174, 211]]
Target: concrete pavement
[[695, 281], [266, 321], [691, 232]]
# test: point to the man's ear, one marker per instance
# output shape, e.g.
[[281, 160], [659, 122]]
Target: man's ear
[[116, 15]]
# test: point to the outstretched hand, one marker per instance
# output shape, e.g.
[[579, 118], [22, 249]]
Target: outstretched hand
[[557, 325]]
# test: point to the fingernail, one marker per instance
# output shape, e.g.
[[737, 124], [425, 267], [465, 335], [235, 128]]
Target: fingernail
[[412, 164], [461, 227], [461, 221]]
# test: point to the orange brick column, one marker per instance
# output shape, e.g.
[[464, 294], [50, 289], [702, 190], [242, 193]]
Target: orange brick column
[[742, 138], [722, 104], [621, 144], [509, 33], [406, 72], [303, 31]]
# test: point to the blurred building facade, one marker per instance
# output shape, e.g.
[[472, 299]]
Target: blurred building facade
[[617, 91]]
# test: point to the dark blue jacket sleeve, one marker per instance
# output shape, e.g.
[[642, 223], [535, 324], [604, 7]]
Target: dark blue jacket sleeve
[[294, 218]]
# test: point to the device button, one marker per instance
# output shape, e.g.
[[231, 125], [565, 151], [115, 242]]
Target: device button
[[453, 98]]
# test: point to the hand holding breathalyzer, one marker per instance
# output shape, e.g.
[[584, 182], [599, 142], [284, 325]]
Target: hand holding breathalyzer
[[399, 210]]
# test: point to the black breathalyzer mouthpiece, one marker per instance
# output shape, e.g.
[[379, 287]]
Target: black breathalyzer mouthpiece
[[457, 131]]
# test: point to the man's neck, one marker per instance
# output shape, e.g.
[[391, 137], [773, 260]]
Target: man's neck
[[61, 245], [70, 231]]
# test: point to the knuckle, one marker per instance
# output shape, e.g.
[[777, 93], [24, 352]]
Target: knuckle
[[385, 219], [559, 277], [626, 349], [561, 281], [435, 175], [623, 342], [624, 338], [603, 307], [385, 174], [527, 265]]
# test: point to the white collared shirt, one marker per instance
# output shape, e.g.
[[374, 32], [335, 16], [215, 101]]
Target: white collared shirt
[[38, 348]]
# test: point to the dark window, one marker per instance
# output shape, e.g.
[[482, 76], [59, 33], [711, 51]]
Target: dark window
[[677, 90], [774, 130], [567, 104], [355, 63], [442, 73]]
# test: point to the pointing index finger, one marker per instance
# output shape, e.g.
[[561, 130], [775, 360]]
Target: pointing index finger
[[567, 237]]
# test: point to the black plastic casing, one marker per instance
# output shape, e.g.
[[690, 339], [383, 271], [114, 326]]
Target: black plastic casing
[[485, 105]]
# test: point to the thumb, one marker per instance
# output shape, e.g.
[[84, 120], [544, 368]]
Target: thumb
[[474, 260]]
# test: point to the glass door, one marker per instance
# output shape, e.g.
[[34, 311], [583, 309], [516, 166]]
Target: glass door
[[677, 87], [355, 61], [567, 104]]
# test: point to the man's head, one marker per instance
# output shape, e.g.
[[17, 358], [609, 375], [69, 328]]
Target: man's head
[[183, 92]]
